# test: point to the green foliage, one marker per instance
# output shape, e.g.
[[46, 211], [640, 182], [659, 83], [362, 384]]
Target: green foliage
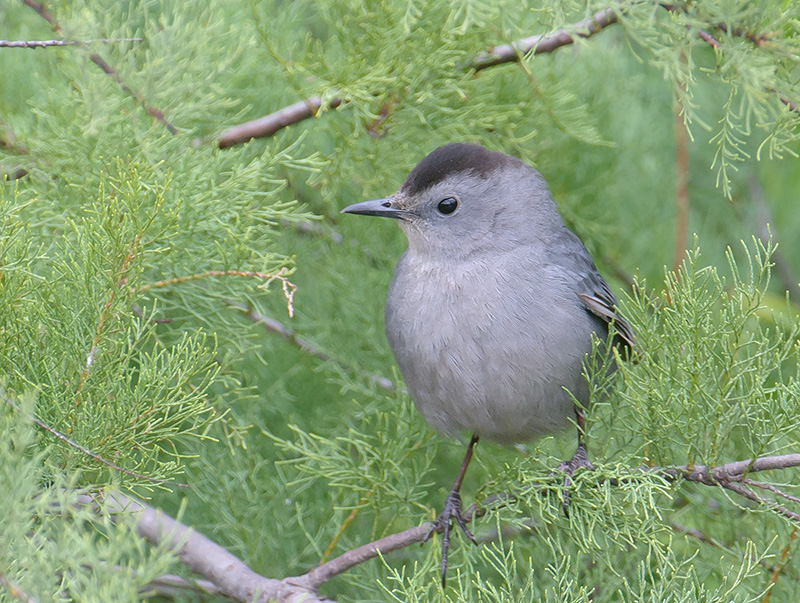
[[131, 259], [51, 548], [711, 379]]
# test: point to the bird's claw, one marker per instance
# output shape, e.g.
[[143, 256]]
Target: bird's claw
[[578, 461], [451, 511]]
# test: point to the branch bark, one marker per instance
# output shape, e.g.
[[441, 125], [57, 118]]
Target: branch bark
[[506, 53], [541, 44], [203, 556], [234, 579]]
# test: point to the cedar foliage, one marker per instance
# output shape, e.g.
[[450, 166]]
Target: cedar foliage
[[172, 381]]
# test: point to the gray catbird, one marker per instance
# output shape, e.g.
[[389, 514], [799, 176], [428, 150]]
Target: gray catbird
[[492, 306]]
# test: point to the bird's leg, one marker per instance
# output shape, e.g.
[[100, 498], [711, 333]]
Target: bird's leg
[[579, 460], [452, 510]]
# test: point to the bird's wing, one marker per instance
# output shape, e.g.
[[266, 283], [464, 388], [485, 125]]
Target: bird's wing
[[592, 290], [600, 301]]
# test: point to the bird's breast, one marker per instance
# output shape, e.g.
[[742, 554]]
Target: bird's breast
[[488, 346]]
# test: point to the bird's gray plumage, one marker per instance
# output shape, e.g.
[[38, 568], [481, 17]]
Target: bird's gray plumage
[[491, 308]]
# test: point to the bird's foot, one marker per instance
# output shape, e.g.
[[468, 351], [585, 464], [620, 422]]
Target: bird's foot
[[578, 461], [451, 511]]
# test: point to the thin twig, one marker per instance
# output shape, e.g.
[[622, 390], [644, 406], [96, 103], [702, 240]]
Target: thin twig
[[49, 43], [707, 38], [83, 449], [170, 585], [270, 124], [699, 536], [289, 288], [771, 488], [749, 494], [107, 69]]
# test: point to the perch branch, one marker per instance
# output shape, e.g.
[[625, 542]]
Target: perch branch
[[235, 580]]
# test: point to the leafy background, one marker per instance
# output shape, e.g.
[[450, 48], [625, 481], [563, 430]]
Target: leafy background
[[280, 446]]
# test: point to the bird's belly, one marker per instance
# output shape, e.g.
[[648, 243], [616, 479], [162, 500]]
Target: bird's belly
[[486, 367]]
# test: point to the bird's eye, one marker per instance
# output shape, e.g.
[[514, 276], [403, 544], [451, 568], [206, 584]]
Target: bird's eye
[[447, 206]]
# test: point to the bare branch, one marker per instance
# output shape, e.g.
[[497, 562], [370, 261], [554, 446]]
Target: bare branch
[[541, 44], [49, 43], [730, 472], [771, 488], [739, 489], [171, 585], [235, 580], [205, 557], [270, 124], [344, 562]]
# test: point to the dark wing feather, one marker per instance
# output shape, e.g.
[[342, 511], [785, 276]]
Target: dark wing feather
[[591, 289], [600, 301]]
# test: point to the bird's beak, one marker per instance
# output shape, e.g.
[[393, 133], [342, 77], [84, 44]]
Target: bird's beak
[[386, 208]]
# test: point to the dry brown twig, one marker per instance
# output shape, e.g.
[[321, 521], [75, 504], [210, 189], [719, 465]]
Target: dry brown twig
[[236, 580], [288, 287]]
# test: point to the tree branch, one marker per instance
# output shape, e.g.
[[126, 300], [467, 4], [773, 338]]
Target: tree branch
[[270, 124], [506, 53], [541, 44], [203, 556], [236, 580]]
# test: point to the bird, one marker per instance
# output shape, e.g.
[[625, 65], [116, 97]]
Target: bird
[[492, 307]]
